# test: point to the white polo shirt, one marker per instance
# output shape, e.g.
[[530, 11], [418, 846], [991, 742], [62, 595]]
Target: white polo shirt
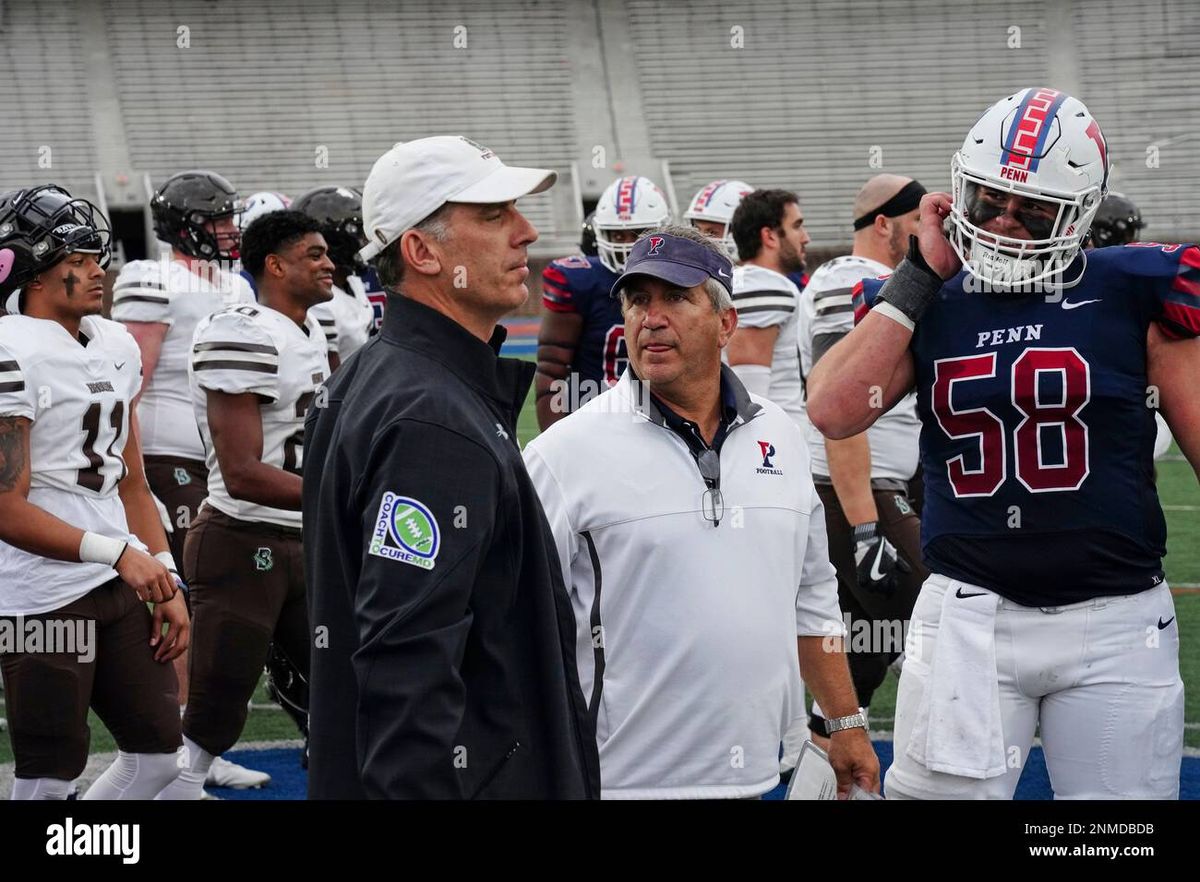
[[686, 631]]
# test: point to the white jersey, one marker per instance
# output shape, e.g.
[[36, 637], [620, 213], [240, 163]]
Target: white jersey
[[354, 317], [327, 319], [167, 291], [895, 436], [686, 631], [258, 350], [766, 299], [78, 398]]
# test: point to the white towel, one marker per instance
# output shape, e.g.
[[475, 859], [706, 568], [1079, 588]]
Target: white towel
[[958, 728]]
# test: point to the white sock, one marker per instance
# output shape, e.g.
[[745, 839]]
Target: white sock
[[135, 776], [40, 788], [194, 762]]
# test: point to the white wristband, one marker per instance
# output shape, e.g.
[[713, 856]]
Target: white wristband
[[164, 557], [886, 309], [95, 548]]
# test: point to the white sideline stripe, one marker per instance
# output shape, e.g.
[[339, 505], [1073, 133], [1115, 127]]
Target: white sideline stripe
[[1181, 508]]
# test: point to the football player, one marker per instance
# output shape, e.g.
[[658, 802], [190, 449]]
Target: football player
[[711, 211], [82, 544], [764, 352], [1037, 368], [255, 370], [871, 517], [581, 342], [160, 302], [258, 205], [339, 211]]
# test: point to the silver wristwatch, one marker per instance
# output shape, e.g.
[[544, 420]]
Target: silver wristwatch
[[851, 722]]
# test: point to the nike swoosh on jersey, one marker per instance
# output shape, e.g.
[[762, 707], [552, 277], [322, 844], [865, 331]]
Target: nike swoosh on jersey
[[118, 366], [959, 594], [1162, 624], [1066, 304]]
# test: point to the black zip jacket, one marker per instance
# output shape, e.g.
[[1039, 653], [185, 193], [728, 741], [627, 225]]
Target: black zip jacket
[[443, 661]]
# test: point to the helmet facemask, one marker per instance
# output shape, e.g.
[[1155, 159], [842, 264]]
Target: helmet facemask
[[1006, 261], [43, 225], [614, 254]]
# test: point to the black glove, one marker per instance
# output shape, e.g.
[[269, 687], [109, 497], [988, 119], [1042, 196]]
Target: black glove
[[878, 566]]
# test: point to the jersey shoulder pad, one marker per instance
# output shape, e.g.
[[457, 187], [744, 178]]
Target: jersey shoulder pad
[[142, 292], [22, 341], [567, 283], [235, 351], [572, 262], [832, 290], [763, 298], [1167, 275]]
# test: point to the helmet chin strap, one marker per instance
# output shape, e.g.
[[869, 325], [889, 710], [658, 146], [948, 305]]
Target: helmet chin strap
[[1016, 287]]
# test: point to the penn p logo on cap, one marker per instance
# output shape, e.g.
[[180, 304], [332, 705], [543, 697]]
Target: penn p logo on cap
[[677, 260]]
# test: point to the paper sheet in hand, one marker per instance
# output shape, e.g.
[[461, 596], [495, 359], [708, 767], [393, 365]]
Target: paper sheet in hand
[[814, 777]]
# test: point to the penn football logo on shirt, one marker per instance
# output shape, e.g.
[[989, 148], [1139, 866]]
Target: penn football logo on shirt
[[768, 466], [405, 531]]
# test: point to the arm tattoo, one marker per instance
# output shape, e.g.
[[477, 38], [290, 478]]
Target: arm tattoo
[[13, 432]]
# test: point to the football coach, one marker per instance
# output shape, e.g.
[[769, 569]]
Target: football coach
[[693, 544], [443, 660]]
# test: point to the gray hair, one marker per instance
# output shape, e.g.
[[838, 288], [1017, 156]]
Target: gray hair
[[716, 292], [388, 263]]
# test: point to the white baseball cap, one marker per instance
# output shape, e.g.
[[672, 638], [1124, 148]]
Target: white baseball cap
[[416, 178]]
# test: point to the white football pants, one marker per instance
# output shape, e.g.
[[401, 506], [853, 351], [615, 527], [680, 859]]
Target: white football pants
[[1100, 678]]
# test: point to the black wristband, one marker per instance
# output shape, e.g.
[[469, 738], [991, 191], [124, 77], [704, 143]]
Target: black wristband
[[910, 289], [865, 532], [917, 259]]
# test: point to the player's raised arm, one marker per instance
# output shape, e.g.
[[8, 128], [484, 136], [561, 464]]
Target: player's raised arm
[[870, 369]]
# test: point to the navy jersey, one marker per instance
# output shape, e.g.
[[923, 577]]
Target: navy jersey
[[581, 285], [1037, 435]]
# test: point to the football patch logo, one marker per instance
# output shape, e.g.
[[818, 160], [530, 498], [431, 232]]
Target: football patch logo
[[405, 531]]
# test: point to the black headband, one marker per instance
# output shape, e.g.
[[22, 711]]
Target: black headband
[[903, 202]]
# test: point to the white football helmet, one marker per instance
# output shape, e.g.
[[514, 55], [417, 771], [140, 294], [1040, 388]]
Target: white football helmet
[[629, 203], [716, 202], [1041, 144], [258, 204]]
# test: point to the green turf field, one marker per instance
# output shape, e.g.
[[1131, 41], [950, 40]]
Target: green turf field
[[1180, 497]]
